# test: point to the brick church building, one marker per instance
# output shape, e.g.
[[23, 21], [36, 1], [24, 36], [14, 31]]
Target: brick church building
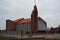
[[32, 25]]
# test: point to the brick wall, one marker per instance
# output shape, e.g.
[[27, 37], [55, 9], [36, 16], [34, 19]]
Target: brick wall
[[10, 25], [34, 20]]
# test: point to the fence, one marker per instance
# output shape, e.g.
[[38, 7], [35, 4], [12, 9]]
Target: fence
[[4, 32]]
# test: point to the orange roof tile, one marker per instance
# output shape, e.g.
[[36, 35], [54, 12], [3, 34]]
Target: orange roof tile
[[22, 20], [19, 19]]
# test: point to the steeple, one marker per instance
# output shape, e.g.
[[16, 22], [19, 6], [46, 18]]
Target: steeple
[[35, 9], [34, 20]]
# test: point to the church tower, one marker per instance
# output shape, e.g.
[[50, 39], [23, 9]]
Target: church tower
[[34, 20]]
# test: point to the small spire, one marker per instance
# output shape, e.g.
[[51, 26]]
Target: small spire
[[35, 7]]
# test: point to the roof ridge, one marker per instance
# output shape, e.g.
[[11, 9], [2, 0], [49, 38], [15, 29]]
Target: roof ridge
[[19, 19]]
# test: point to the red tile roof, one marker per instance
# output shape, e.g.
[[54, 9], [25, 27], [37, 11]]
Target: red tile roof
[[22, 20], [19, 19]]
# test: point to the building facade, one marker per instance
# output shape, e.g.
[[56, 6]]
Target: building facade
[[32, 25], [26, 27]]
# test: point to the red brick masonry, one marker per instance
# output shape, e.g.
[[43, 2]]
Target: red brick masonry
[[34, 20], [10, 25]]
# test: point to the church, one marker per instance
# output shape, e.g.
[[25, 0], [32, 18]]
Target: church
[[32, 25]]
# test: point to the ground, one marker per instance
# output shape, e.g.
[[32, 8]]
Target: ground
[[37, 37]]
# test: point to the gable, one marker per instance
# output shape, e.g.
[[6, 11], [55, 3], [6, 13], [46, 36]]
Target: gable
[[42, 20]]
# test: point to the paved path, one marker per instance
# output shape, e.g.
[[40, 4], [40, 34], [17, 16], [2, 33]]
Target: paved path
[[54, 36]]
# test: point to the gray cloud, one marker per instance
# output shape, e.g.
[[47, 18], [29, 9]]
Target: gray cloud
[[49, 10]]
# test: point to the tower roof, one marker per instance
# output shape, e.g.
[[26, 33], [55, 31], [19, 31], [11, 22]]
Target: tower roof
[[35, 9]]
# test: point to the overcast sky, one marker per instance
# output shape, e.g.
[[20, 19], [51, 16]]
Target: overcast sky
[[49, 10]]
